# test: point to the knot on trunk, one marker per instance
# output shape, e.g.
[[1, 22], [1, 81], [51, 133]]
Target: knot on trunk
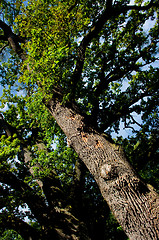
[[108, 171]]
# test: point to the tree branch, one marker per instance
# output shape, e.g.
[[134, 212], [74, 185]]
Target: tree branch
[[148, 6], [21, 227], [6, 29], [9, 130], [118, 73], [83, 45], [94, 31], [50, 185], [13, 39], [134, 121], [116, 113], [3, 48], [2, 37], [27, 194]]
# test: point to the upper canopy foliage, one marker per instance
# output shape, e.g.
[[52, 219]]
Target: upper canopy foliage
[[102, 72]]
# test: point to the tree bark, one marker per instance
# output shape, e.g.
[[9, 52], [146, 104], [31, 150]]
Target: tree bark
[[134, 205]]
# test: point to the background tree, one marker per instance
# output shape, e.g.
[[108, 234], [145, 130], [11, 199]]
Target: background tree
[[93, 65]]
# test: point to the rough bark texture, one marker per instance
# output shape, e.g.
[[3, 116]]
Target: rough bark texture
[[134, 205]]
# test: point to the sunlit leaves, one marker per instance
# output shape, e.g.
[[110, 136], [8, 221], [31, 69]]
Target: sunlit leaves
[[10, 9], [9, 147], [10, 234], [119, 78]]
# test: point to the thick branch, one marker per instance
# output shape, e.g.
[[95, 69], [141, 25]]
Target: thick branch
[[84, 43], [35, 202], [50, 184], [21, 227], [6, 29], [9, 130], [8, 32], [53, 191], [13, 39], [2, 37]]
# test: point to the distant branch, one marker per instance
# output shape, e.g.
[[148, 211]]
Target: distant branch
[[127, 126], [26, 156], [117, 114], [35, 202], [114, 75], [146, 7], [12, 39], [24, 229], [94, 31], [118, 73], [9, 130], [3, 48], [134, 121]]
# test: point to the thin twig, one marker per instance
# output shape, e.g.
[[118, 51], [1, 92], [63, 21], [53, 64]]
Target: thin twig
[[3, 47], [140, 125]]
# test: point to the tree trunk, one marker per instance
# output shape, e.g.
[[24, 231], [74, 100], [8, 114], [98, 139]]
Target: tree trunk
[[134, 205]]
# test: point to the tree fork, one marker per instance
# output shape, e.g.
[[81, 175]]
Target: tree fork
[[134, 205]]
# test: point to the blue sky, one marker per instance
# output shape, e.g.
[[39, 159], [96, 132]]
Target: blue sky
[[123, 132]]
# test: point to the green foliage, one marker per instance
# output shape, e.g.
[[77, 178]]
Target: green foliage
[[142, 151], [9, 147], [115, 231], [119, 79], [10, 235], [10, 9], [52, 48]]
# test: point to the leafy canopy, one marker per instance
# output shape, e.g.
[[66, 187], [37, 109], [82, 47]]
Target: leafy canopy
[[118, 83]]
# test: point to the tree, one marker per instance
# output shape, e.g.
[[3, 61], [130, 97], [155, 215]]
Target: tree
[[82, 68]]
